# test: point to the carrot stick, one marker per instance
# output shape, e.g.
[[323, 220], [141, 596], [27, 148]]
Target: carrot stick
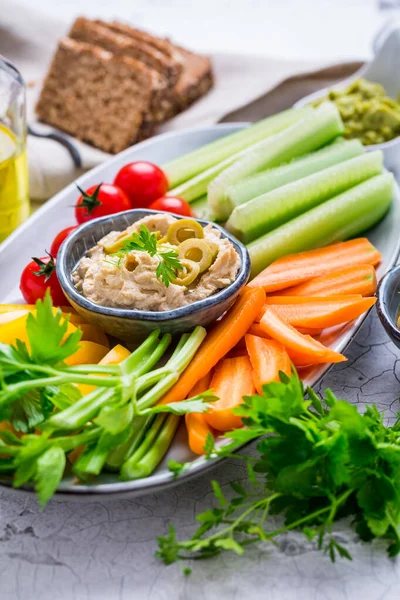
[[267, 358], [303, 347], [255, 329], [231, 381], [360, 279], [319, 312], [310, 330], [196, 423], [222, 338], [296, 268]]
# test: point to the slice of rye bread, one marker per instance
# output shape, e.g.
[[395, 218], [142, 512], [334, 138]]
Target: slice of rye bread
[[196, 78], [164, 72], [162, 44], [96, 96]]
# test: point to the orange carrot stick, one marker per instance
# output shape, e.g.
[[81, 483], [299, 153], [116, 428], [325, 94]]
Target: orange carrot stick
[[267, 358], [297, 268], [231, 381], [222, 338], [319, 312], [310, 330], [196, 423], [255, 329], [360, 279], [303, 347]]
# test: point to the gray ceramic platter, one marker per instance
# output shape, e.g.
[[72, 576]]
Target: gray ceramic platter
[[38, 232]]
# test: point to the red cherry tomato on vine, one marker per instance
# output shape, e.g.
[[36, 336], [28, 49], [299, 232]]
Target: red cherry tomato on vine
[[142, 182], [38, 276], [172, 204], [60, 237], [100, 201]]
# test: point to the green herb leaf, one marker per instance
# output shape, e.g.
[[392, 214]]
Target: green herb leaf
[[145, 241], [198, 404], [49, 472], [47, 334]]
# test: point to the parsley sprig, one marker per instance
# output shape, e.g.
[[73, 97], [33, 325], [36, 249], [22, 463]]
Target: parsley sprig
[[314, 465], [145, 241]]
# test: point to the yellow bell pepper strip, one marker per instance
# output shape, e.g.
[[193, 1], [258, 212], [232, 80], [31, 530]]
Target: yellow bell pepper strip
[[115, 356], [12, 315], [88, 353], [91, 333]]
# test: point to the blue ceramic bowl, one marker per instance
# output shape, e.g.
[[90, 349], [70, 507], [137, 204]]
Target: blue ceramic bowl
[[388, 303], [133, 325]]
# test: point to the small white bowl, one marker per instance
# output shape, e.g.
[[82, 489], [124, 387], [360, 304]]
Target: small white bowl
[[383, 69]]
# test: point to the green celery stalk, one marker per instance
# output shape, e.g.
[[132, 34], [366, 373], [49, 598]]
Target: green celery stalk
[[148, 456], [88, 407], [161, 381], [305, 136], [268, 211], [184, 167], [337, 219], [148, 440], [261, 183], [197, 186], [118, 455], [201, 209]]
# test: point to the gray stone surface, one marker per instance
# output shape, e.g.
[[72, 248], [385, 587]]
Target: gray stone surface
[[105, 550]]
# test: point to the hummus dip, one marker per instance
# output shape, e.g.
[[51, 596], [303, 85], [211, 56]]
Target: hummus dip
[[132, 283]]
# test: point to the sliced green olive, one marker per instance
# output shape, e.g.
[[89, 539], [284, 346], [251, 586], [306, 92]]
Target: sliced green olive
[[197, 251], [214, 249], [184, 229], [188, 274], [117, 244]]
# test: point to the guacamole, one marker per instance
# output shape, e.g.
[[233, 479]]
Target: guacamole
[[367, 112]]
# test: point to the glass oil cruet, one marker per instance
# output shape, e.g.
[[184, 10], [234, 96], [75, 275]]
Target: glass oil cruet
[[14, 193]]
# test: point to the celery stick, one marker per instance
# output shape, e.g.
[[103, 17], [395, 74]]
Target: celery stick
[[264, 182], [268, 211], [304, 136], [200, 209], [183, 168], [338, 219], [135, 467], [197, 186]]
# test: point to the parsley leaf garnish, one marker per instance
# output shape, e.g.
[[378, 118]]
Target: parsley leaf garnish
[[145, 241], [49, 341], [316, 462]]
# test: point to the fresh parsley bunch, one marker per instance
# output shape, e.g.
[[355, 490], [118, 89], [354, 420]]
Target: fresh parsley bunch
[[317, 465]]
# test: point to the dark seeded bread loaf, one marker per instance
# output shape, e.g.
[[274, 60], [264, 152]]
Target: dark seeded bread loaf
[[163, 71], [162, 44], [196, 77], [96, 96], [98, 33], [195, 81]]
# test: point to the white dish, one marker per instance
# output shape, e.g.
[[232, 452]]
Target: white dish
[[384, 69], [34, 236]]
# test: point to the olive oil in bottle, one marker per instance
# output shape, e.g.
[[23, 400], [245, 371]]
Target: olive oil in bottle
[[14, 193]]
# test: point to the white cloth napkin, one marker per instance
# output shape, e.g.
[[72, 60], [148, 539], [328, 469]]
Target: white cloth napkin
[[29, 40]]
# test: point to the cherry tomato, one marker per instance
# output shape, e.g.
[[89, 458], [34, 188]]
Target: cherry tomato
[[143, 183], [60, 237], [99, 201], [38, 276], [172, 204]]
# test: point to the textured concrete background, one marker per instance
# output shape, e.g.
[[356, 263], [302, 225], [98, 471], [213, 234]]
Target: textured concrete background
[[105, 550]]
